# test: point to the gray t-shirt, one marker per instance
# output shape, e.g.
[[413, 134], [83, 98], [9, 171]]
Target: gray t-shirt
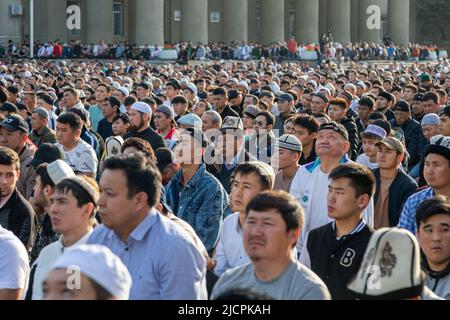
[[296, 283]]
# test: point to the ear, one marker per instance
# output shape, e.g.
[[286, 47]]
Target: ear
[[347, 146], [314, 135], [363, 201], [47, 190], [294, 236], [141, 199]]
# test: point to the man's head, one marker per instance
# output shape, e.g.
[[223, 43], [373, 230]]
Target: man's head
[[73, 204], [110, 107], [287, 151], [248, 180], [430, 125], [430, 102], [39, 119], [70, 97], [306, 128], [337, 109], [272, 226], [68, 128], [9, 171], [102, 92], [390, 153], [264, 122], [167, 166], [332, 140], [129, 186], [285, 104], [180, 105], [140, 116], [220, 97], [350, 189], [402, 111], [102, 275], [231, 141], [444, 124], [211, 120], [319, 103], [13, 132], [437, 163], [164, 118], [190, 147], [433, 231], [366, 105], [143, 90], [384, 101]]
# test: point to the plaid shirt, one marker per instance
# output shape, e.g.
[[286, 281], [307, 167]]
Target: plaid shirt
[[408, 216]]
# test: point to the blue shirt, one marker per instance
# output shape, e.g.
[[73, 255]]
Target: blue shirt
[[162, 259], [408, 215], [202, 202]]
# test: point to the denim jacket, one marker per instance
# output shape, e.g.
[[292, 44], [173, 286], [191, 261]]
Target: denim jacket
[[202, 202]]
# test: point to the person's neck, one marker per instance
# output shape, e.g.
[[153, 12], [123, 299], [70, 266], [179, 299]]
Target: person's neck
[[71, 145], [132, 224], [390, 173], [438, 267], [445, 191], [365, 121], [346, 225], [220, 109], [73, 236], [329, 163], [289, 172], [165, 131], [267, 270], [307, 149], [143, 128], [110, 118], [189, 171]]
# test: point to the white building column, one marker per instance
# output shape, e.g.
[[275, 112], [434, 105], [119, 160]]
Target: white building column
[[339, 20], [149, 22], [235, 21], [194, 20], [307, 21], [398, 20], [99, 21], [272, 21]]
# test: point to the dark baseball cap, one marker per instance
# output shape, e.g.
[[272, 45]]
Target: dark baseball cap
[[418, 97], [388, 96], [286, 97], [233, 94], [164, 157], [336, 127], [47, 153], [9, 107], [402, 105], [15, 122]]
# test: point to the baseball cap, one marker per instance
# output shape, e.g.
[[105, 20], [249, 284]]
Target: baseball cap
[[252, 111], [289, 142], [388, 96], [393, 144], [286, 97], [41, 112], [58, 170], [9, 107], [402, 105], [395, 254], [233, 94], [336, 127], [192, 120], [418, 97], [174, 83], [141, 107], [192, 88], [166, 110], [15, 122], [361, 84], [98, 263], [164, 157], [374, 130], [46, 153], [439, 144], [431, 119]]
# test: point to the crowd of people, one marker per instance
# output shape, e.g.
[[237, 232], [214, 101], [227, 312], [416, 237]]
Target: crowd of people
[[205, 181], [325, 49]]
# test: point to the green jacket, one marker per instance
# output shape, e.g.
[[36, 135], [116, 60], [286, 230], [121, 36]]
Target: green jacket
[[45, 135]]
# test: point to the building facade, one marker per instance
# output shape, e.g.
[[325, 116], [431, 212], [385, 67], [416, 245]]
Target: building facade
[[159, 21]]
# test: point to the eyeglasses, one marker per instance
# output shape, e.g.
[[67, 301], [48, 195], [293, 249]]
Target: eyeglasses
[[260, 123]]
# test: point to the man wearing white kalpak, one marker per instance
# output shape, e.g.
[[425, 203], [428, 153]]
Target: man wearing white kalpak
[[310, 183], [102, 275]]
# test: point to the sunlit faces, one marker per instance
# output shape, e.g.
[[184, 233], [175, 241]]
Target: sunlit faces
[[243, 189], [437, 171]]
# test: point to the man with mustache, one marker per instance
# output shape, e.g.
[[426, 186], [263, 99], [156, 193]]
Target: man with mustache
[[271, 229]]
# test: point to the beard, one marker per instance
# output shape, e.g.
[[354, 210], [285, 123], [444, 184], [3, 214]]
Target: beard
[[40, 201], [137, 127]]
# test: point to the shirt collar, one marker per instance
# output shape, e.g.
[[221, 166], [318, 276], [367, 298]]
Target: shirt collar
[[361, 225], [144, 227]]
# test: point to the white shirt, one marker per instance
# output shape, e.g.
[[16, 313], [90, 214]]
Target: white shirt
[[310, 187], [364, 160], [46, 258], [230, 252], [14, 268], [82, 158]]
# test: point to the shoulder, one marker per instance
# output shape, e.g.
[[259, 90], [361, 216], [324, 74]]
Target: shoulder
[[309, 282]]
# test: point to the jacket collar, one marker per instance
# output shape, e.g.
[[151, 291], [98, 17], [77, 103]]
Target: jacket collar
[[196, 178]]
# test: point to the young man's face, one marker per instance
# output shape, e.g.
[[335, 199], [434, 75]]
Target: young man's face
[[369, 147], [180, 108], [56, 287], [434, 239], [444, 125], [188, 150], [430, 106], [101, 93], [243, 189], [14, 140], [437, 171], [318, 105], [284, 107], [8, 179], [65, 213], [162, 121], [265, 236], [364, 112], [283, 158], [342, 200], [381, 103], [260, 125], [141, 92], [408, 95], [65, 135], [401, 117], [336, 113], [40, 198], [108, 110], [429, 131], [289, 127], [387, 158], [119, 127]]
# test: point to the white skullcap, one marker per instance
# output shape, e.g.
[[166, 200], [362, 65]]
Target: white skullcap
[[99, 264], [142, 107]]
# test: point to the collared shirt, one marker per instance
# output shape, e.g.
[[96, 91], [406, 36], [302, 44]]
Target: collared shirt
[[408, 215], [161, 257]]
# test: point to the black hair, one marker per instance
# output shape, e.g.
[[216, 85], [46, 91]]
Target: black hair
[[42, 172], [308, 122], [142, 175], [9, 157], [431, 207], [79, 193], [430, 95], [361, 178], [72, 119], [270, 119], [247, 168], [129, 100], [179, 99], [290, 209], [142, 146], [366, 101]]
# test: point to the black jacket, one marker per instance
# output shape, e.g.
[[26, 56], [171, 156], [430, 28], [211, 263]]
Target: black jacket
[[401, 188], [335, 261], [18, 217], [228, 112], [414, 140], [353, 136], [149, 135]]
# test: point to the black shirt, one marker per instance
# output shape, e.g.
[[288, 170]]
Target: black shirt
[[228, 112], [337, 261], [311, 158], [149, 135], [105, 129]]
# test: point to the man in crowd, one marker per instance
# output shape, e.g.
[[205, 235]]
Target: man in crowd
[[286, 155], [165, 125], [41, 133]]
